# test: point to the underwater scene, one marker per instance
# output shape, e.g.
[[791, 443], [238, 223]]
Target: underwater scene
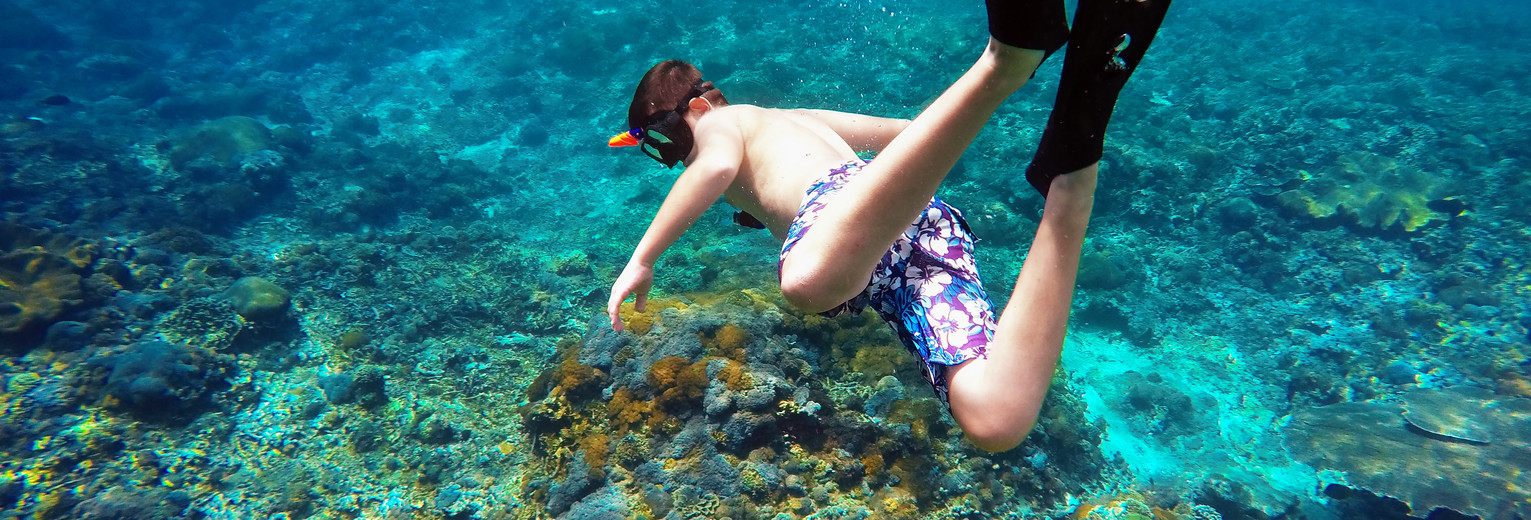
[[278, 259]]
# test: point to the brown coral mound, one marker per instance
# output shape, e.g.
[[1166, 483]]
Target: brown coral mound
[[1371, 191], [1458, 448]]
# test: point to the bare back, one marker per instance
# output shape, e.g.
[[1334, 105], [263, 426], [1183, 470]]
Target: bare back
[[784, 152]]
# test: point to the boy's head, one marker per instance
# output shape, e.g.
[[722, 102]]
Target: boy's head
[[656, 117]]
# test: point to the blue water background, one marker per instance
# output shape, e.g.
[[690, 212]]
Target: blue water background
[[468, 137]]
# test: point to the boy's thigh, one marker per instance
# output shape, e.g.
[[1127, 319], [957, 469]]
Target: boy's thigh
[[823, 262], [816, 276]]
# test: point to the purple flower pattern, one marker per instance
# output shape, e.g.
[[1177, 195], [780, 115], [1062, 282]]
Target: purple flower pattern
[[926, 286]]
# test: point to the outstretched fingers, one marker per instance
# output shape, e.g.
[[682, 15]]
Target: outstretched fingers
[[634, 281], [613, 308]]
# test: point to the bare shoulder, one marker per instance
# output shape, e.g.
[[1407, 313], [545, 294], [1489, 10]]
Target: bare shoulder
[[863, 132], [738, 114], [838, 119]]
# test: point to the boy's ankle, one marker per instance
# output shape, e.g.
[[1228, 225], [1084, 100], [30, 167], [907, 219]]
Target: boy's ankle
[[1080, 181], [1012, 62]]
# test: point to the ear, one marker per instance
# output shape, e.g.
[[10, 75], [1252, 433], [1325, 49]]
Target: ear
[[699, 105]]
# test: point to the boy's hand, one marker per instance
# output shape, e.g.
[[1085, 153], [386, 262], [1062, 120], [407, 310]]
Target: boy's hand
[[636, 279]]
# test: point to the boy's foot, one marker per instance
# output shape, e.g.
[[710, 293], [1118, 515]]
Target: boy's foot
[[1109, 39], [1029, 24]]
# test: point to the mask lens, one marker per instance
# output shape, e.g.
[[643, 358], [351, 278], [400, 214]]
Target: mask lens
[[657, 142], [651, 151], [652, 140]]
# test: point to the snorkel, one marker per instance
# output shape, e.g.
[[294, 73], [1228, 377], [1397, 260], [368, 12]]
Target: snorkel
[[629, 138], [666, 137]]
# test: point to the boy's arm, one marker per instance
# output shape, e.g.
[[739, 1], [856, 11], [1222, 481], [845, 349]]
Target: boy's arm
[[720, 150], [864, 133]]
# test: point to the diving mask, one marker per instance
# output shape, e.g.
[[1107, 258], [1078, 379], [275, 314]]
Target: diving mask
[[666, 137]]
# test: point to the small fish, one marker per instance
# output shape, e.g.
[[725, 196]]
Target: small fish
[[55, 100], [20, 126]]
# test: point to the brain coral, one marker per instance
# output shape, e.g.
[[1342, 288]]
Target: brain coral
[[1372, 191]]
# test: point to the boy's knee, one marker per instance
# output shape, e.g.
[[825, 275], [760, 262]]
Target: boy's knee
[[997, 436], [803, 291], [992, 422], [807, 286]]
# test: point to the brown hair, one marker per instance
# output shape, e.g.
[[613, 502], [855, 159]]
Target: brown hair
[[668, 86]]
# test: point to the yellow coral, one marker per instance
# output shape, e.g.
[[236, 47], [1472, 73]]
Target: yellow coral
[[1373, 191], [624, 412], [896, 502], [353, 339], [640, 322], [597, 446], [878, 361], [35, 287], [40, 275], [728, 341], [872, 463], [678, 384], [579, 381], [918, 413], [1514, 386], [1128, 506], [734, 376]]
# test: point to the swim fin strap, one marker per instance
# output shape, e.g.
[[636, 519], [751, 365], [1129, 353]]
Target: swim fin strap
[[1029, 24]]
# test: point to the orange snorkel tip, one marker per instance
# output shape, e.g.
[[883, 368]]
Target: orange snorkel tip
[[628, 138]]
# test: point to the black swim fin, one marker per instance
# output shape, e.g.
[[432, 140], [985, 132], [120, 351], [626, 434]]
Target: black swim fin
[[1029, 24], [1108, 41]]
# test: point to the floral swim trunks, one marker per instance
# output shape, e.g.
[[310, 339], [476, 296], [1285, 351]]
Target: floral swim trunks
[[926, 286]]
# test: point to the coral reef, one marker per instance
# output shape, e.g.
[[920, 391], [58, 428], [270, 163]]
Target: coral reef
[[700, 400], [1466, 449]]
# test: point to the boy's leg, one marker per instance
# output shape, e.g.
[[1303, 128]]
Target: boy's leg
[[996, 398], [834, 260]]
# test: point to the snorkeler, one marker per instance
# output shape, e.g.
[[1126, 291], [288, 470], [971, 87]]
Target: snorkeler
[[863, 234]]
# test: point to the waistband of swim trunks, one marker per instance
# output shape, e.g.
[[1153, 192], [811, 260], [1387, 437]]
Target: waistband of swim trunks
[[848, 167]]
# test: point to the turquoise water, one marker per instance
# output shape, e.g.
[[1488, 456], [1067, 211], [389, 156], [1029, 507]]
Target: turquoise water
[[275, 259]]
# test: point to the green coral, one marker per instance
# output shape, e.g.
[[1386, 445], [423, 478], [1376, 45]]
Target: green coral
[[1372, 191], [220, 139], [256, 298]]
